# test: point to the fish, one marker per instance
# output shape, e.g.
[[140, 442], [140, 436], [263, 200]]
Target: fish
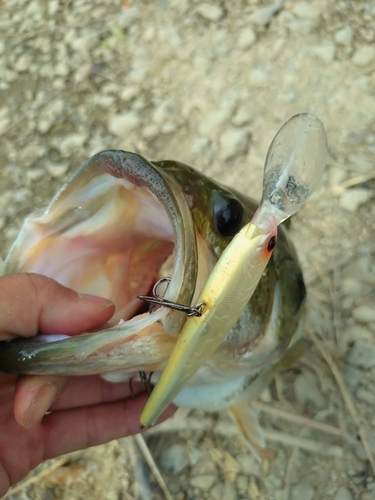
[[123, 227]]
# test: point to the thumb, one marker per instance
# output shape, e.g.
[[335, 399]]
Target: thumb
[[32, 303]]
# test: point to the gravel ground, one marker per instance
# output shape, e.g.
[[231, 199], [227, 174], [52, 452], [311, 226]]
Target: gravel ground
[[209, 84]]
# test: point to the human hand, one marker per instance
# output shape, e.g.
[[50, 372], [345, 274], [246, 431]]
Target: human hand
[[85, 411]]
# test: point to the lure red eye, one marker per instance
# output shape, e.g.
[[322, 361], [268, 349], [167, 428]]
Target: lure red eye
[[271, 244]]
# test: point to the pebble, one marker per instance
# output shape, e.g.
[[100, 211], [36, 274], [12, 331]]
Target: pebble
[[363, 55], [304, 10], [365, 395], [175, 458], [23, 63], [352, 199], [123, 124], [33, 174], [203, 482], [343, 36], [306, 390], [104, 101], [258, 78], [4, 123], [58, 171], [343, 494], [302, 491], [70, 143], [85, 44], [336, 175], [362, 354], [211, 125], [247, 38], [325, 52], [129, 93], [356, 332], [233, 142], [244, 115], [242, 482], [263, 16], [364, 314], [210, 12], [150, 131]]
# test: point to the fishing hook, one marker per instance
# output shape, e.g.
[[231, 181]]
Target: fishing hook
[[159, 300]]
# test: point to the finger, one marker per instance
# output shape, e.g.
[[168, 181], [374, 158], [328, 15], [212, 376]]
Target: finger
[[31, 303], [35, 395], [76, 429]]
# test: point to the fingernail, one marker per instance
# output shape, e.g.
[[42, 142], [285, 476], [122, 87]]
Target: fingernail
[[40, 404], [95, 299]]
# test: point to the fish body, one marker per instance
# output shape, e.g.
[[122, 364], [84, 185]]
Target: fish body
[[119, 225]]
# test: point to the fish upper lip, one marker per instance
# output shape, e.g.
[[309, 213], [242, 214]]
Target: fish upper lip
[[142, 175]]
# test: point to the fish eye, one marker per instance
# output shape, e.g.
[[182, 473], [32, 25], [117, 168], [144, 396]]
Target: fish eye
[[271, 243], [228, 214]]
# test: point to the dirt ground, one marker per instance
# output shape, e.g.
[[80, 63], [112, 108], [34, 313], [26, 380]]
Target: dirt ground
[[209, 84]]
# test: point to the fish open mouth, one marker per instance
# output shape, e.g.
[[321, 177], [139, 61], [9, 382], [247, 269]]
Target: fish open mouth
[[114, 229]]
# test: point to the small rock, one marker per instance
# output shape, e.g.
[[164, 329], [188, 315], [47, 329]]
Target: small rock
[[123, 124], [343, 494], [263, 16], [104, 101], [353, 377], [129, 93], [203, 482], [352, 199], [272, 482], [245, 114], [175, 458], [365, 395], [70, 143], [150, 131], [233, 142], [325, 52], [363, 55], [230, 492], [247, 38], [356, 332], [306, 390], [85, 44], [304, 10], [168, 128], [302, 491], [249, 465], [4, 123], [364, 314], [200, 145], [352, 287], [212, 123], [58, 171], [210, 12], [128, 17], [242, 482], [362, 354], [23, 63], [258, 78], [33, 174], [288, 97], [337, 175], [343, 36]]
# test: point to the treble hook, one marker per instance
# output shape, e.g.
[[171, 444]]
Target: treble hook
[[159, 300]]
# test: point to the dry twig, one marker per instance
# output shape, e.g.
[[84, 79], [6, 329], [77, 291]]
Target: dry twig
[[346, 397], [298, 419]]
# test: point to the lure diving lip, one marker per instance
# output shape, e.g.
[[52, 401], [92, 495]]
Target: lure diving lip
[[294, 166]]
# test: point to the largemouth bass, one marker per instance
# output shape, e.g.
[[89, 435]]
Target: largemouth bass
[[118, 226]]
